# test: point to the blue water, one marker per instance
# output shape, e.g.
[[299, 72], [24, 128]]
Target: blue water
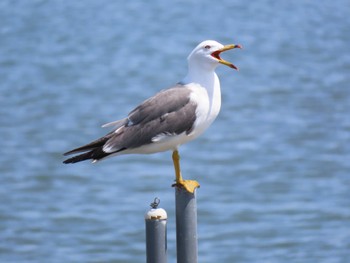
[[274, 167]]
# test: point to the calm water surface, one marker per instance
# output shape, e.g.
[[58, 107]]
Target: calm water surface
[[274, 167]]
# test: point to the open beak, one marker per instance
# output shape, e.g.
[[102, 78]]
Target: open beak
[[216, 54]]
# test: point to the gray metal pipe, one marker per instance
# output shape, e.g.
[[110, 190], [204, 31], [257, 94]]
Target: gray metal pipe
[[156, 234], [186, 226]]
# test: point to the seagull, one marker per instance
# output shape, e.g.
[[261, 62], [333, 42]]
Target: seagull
[[170, 118]]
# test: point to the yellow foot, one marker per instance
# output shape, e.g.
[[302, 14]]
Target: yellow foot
[[189, 185]]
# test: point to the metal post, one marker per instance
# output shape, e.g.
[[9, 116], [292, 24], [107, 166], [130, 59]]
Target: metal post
[[186, 226], [156, 236]]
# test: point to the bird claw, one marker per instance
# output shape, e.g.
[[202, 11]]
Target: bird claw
[[189, 185]]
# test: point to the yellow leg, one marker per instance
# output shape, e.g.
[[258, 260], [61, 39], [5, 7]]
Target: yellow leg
[[189, 185]]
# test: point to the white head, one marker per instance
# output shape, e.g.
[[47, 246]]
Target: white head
[[207, 55]]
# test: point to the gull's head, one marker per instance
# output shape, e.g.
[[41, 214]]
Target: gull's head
[[207, 55]]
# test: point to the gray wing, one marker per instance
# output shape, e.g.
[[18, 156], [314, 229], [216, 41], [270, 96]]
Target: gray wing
[[170, 112], [166, 101]]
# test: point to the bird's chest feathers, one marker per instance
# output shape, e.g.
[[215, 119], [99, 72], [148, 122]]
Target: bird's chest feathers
[[208, 105]]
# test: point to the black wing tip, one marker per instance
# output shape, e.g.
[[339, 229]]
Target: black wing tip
[[79, 158], [67, 153], [91, 146], [78, 150], [93, 155], [72, 160]]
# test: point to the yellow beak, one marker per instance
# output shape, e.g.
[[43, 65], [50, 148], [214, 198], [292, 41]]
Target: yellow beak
[[216, 54]]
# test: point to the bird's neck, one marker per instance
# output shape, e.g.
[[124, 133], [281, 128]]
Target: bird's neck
[[206, 77]]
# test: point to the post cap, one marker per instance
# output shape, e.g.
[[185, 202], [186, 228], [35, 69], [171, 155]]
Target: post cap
[[156, 214]]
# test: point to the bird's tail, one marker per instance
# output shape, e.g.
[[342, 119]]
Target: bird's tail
[[93, 151]]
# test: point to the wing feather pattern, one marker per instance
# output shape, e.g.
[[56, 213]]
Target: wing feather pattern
[[169, 112]]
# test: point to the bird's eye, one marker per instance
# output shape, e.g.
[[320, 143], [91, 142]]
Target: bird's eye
[[207, 47]]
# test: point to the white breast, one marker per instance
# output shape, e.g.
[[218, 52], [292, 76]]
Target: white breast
[[208, 106]]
